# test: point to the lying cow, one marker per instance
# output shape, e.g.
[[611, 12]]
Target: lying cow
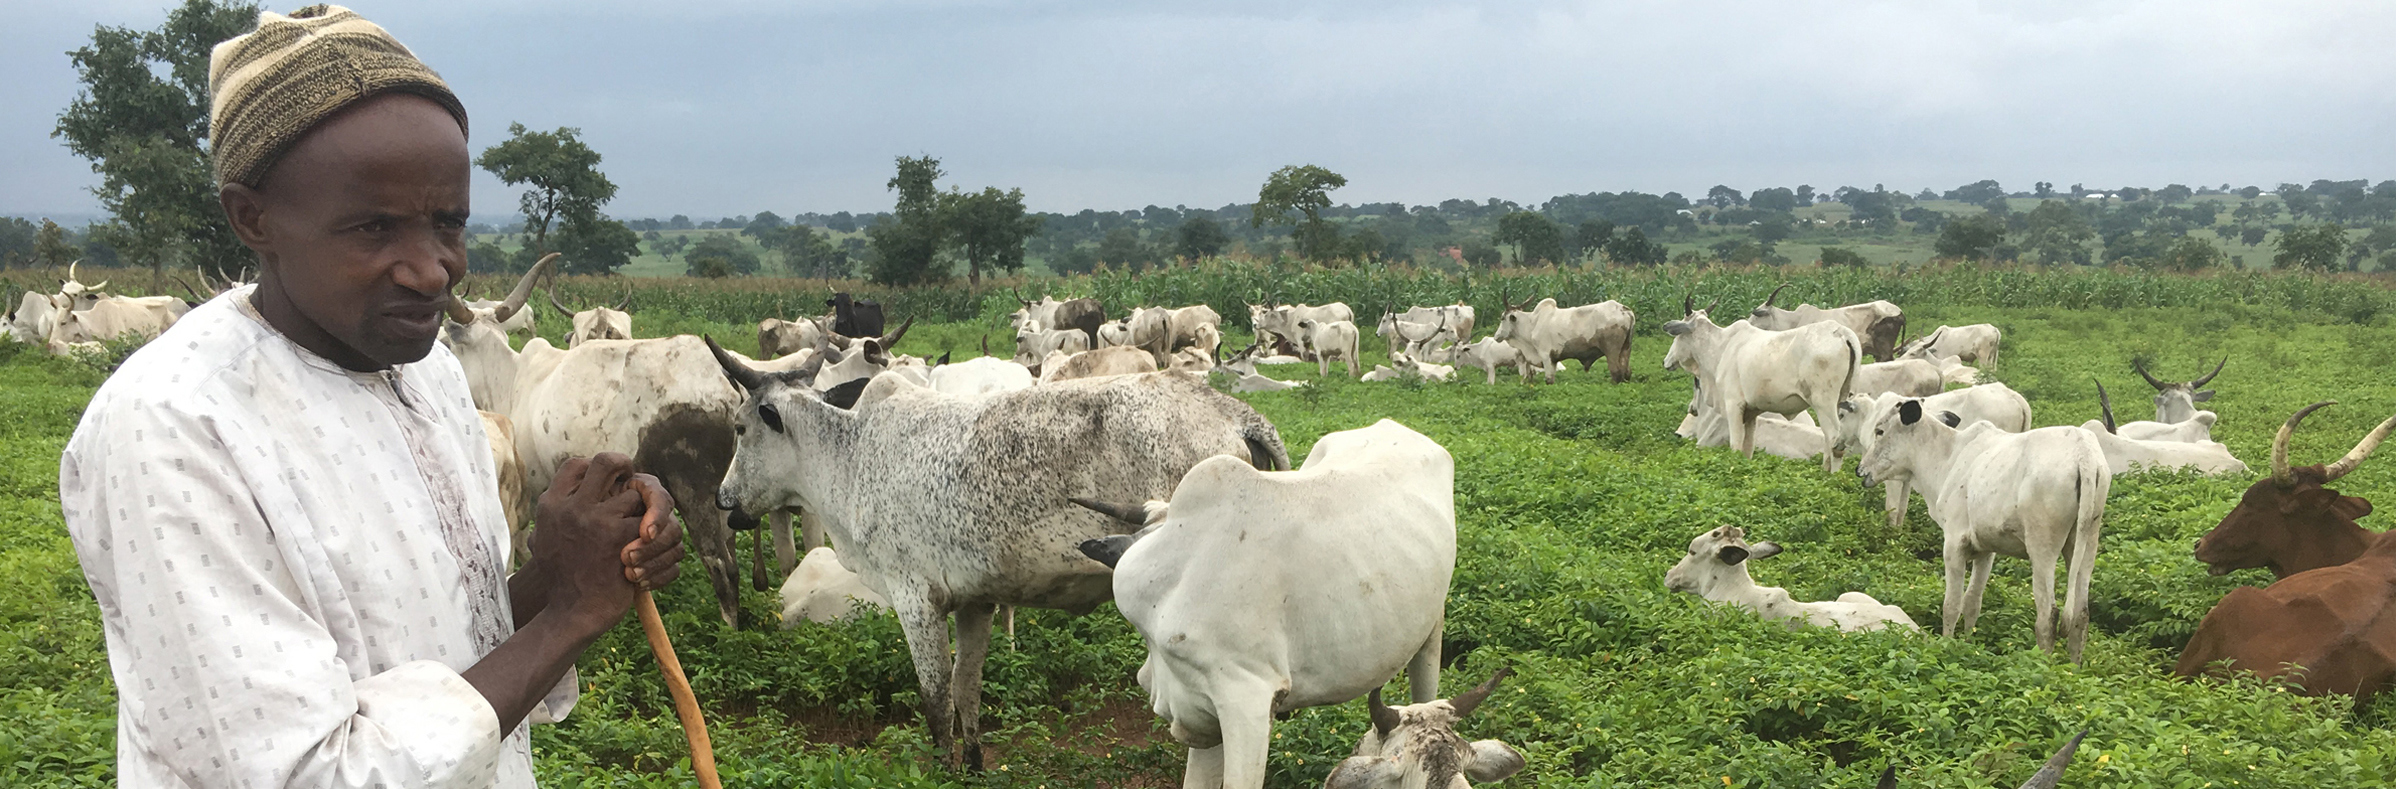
[[821, 590], [1259, 593], [2038, 494], [2191, 427], [1904, 377], [1418, 745], [1716, 567], [1877, 324], [1547, 333], [1121, 360], [2126, 454], [117, 318], [1747, 371], [2330, 623], [2176, 402], [1404, 367], [1980, 342]]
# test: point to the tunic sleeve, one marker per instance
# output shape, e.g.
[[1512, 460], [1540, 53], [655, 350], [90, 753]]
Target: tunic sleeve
[[226, 676]]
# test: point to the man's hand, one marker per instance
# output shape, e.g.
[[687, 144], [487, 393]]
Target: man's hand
[[585, 531], [653, 561]]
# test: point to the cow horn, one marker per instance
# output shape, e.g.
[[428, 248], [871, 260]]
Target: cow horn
[[2280, 461], [627, 304], [97, 288], [458, 312], [1529, 300], [892, 340], [71, 269], [2154, 382], [516, 296], [563, 312], [1133, 514], [187, 286], [1712, 304], [2366, 446], [1465, 703], [808, 371], [2107, 417], [1778, 291], [740, 374], [1385, 718], [1020, 296], [2212, 374], [1687, 304], [987, 345], [2056, 768]]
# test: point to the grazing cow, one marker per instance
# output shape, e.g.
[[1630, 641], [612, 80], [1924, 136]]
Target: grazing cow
[[1280, 325], [2038, 494], [821, 590], [1121, 360], [1746, 371], [1980, 342], [509, 313], [515, 502], [979, 376], [947, 504], [1716, 567], [1034, 345], [1994, 403], [1548, 333], [2290, 522], [856, 317], [2325, 618], [1877, 323], [1418, 745], [1259, 593], [2192, 429], [1905, 377], [779, 337], [1332, 340], [2126, 454], [2176, 401], [597, 323]]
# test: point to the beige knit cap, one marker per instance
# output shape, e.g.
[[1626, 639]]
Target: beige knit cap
[[271, 85]]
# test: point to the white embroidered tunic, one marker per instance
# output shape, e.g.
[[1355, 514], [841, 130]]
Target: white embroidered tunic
[[293, 563]]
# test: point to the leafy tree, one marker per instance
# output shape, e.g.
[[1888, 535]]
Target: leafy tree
[[2249, 192], [2375, 246], [1300, 189], [1746, 252], [1121, 247], [1878, 208], [1592, 237], [2191, 253], [1841, 256], [1970, 237], [905, 245], [680, 222], [563, 172], [1772, 228], [141, 119], [595, 244], [1199, 236], [2055, 233], [1724, 197], [16, 242], [808, 253], [1977, 193], [50, 247], [1805, 194], [990, 227], [1776, 199], [719, 256], [1534, 236], [1634, 248], [841, 222], [1480, 254], [2311, 247], [1075, 260], [484, 257], [2044, 190], [763, 226], [2175, 193]]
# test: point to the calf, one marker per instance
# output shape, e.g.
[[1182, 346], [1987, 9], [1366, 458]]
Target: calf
[[1747, 371], [1259, 593], [1332, 340], [1489, 355], [2038, 494], [1716, 567], [1418, 746], [2290, 522], [821, 590]]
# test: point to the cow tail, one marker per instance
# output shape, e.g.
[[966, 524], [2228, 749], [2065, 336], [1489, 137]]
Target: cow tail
[[1850, 377], [2091, 501]]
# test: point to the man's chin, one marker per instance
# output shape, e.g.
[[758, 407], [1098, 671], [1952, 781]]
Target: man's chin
[[396, 344]]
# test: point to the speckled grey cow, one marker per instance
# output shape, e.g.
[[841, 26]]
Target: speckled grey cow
[[947, 504]]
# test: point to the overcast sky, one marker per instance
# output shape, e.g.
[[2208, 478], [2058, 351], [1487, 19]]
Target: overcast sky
[[715, 108]]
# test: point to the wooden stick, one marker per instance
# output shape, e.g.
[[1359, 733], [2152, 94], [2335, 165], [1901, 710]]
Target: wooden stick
[[687, 707]]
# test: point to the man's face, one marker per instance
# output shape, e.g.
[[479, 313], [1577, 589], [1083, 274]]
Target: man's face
[[360, 227]]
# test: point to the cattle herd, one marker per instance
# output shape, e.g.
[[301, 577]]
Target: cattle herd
[[1096, 462]]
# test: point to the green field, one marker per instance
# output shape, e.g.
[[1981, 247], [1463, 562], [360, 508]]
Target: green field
[[1573, 500]]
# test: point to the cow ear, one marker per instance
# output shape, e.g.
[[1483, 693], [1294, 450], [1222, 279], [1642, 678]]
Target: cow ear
[[1362, 772], [845, 396], [1911, 411], [1949, 419], [1847, 407], [1493, 761], [1763, 549], [2351, 507], [1733, 554], [2203, 395]]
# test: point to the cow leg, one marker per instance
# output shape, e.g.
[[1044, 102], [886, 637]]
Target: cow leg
[[1425, 669], [1324, 365], [1744, 429], [704, 526], [928, 632], [786, 556], [1245, 709], [1895, 504], [758, 560], [1978, 576], [1620, 363], [1955, 560], [1204, 768], [966, 680], [2077, 615], [2045, 595], [812, 532], [1549, 369]]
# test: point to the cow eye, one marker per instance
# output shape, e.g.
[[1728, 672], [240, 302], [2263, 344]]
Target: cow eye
[[773, 418], [1879, 431]]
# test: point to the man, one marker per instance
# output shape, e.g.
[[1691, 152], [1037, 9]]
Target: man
[[286, 506]]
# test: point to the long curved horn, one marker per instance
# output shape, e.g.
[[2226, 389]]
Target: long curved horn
[[2366, 446], [563, 312], [627, 304], [1133, 514], [2056, 768], [2212, 374], [1777, 292], [1529, 300], [71, 269], [740, 374], [97, 288], [1687, 304], [2154, 382], [892, 340], [2280, 461], [187, 286], [1712, 304], [1385, 718], [516, 296], [2107, 417], [1465, 703], [458, 312]]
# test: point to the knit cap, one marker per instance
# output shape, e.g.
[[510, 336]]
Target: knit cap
[[271, 85]]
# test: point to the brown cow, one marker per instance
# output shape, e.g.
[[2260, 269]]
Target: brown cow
[[2333, 624]]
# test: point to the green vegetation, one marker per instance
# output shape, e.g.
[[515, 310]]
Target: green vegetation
[[1572, 501]]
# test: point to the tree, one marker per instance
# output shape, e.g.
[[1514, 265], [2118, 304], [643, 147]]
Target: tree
[[808, 253], [2375, 246], [1724, 197], [2190, 253], [1771, 228], [1774, 199], [763, 226], [2175, 193], [990, 227], [563, 172], [2312, 247], [1480, 254], [1634, 248], [2044, 190], [1300, 189], [1121, 247], [595, 244], [50, 247], [141, 119], [2249, 192], [1970, 237], [2055, 233], [1977, 193], [1534, 236], [1841, 256], [719, 256], [1199, 236], [1805, 194], [904, 245], [1592, 237]]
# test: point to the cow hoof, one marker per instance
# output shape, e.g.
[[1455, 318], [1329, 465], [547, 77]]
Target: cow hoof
[[972, 758]]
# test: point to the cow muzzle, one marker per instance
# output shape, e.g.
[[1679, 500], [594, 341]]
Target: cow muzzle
[[735, 517]]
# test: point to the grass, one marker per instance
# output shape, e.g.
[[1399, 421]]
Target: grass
[[1573, 500]]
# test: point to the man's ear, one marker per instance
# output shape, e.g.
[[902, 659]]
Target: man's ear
[[246, 210]]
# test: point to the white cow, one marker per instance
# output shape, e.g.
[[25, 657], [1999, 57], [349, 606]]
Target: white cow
[[1259, 593], [1404, 367], [33, 316], [1333, 340], [779, 337], [117, 318], [946, 504], [1906, 377], [1878, 324], [1798, 438], [821, 590], [979, 376], [1115, 333], [1121, 360], [2177, 402], [1418, 746], [1994, 403], [1034, 345], [1746, 371], [597, 323], [1489, 355], [1412, 338], [1271, 322], [1716, 567], [2192, 428], [515, 501], [1459, 317], [2126, 453], [2039, 494], [514, 320], [1548, 333], [1980, 342]]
